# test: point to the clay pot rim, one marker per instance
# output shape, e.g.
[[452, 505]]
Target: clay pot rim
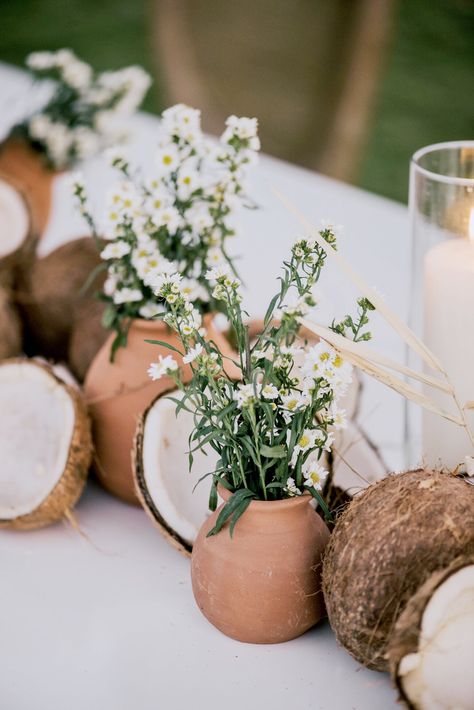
[[269, 506]]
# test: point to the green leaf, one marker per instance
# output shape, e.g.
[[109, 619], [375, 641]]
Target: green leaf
[[247, 443], [179, 405], [321, 501], [164, 345], [273, 452], [229, 508], [213, 497], [108, 318], [270, 308], [238, 513]]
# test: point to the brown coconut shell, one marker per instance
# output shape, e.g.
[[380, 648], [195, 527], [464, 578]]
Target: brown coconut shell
[[67, 491], [26, 168], [87, 336], [11, 329], [384, 546], [142, 491], [52, 300], [406, 634]]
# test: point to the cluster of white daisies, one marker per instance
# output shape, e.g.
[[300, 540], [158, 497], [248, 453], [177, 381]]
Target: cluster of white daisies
[[86, 110], [178, 221], [315, 379]]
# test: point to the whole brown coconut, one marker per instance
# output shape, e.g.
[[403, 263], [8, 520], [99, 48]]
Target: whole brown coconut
[[385, 545], [432, 644], [53, 300], [87, 337]]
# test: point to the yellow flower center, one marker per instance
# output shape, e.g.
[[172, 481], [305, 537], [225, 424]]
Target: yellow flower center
[[337, 362], [167, 159], [304, 441]]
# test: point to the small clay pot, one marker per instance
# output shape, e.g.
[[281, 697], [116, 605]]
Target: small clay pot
[[263, 585], [118, 393], [26, 169]]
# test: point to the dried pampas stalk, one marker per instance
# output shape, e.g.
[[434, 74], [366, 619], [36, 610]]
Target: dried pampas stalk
[[366, 359]]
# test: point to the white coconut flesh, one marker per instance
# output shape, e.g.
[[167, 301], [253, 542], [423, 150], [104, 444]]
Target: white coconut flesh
[[165, 462], [37, 420], [440, 675], [14, 219]]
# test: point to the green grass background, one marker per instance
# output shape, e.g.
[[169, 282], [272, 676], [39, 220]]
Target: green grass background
[[425, 95]]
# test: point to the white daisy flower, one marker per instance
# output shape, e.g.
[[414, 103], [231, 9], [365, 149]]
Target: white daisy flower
[[291, 487], [164, 366], [167, 159], [314, 474], [193, 353], [115, 250], [245, 394], [270, 392], [127, 295]]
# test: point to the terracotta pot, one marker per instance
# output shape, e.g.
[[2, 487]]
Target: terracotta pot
[[117, 394], [263, 585], [26, 169]]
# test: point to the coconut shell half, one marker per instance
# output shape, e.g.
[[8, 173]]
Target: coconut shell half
[[384, 546], [432, 647], [45, 445], [166, 488], [25, 167]]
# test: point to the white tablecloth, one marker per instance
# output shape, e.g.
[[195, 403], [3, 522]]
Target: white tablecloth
[[106, 620]]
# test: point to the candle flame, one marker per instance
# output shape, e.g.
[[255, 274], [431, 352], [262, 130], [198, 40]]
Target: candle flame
[[471, 225]]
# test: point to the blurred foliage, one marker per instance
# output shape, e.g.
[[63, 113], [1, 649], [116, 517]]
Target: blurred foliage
[[109, 34], [425, 94]]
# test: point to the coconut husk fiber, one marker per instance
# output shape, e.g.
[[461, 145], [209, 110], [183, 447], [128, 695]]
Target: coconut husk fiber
[[385, 545]]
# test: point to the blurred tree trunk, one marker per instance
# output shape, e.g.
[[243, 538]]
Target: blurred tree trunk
[[308, 69]]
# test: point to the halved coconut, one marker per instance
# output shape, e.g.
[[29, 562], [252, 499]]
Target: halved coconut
[[54, 302], [432, 648], [15, 229], [45, 445], [25, 167], [164, 484]]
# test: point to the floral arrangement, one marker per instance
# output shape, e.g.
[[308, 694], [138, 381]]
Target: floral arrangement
[[177, 221], [272, 428], [86, 110]]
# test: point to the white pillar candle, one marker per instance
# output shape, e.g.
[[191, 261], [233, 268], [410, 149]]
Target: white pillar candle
[[449, 333]]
